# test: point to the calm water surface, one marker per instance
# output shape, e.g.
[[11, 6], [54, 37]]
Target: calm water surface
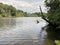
[[22, 31]]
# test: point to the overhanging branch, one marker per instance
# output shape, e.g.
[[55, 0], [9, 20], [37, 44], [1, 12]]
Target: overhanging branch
[[43, 17]]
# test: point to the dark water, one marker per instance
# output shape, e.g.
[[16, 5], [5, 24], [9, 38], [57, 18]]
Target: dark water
[[22, 31]]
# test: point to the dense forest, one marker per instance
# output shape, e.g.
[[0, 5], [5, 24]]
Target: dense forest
[[10, 11]]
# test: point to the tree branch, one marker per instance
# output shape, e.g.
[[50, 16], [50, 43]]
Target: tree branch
[[43, 17]]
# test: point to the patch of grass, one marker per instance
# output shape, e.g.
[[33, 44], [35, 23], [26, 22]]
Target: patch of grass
[[57, 42], [48, 42]]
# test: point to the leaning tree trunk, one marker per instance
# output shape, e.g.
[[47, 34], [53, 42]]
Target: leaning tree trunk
[[50, 23], [51, 42]]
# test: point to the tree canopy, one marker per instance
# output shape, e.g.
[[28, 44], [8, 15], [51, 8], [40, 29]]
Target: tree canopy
[[53, 16], [54, 11], [10, 11]]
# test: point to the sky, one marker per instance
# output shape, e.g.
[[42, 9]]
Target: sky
[[29, 6]]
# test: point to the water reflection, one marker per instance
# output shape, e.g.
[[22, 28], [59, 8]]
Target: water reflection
[[8, 21], [22, 31]]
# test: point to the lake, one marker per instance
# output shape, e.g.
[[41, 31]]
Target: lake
[[22, 31]]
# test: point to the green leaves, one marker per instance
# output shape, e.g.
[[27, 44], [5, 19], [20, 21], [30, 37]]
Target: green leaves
[[57, 42], [9, 11], [54, 11]]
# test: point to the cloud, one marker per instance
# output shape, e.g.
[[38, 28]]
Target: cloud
[[26, 5]]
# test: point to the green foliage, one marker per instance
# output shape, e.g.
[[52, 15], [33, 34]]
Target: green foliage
[[36, 14], [10, 11], [33, 15], [54, 17], [19, 13], [25, 14], [54, 11], [6, 11], [57, 42]]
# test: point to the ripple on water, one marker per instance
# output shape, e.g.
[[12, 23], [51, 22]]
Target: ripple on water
[[25, 31]]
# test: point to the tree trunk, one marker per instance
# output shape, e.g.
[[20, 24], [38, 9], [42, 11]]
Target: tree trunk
[[50, 23]]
